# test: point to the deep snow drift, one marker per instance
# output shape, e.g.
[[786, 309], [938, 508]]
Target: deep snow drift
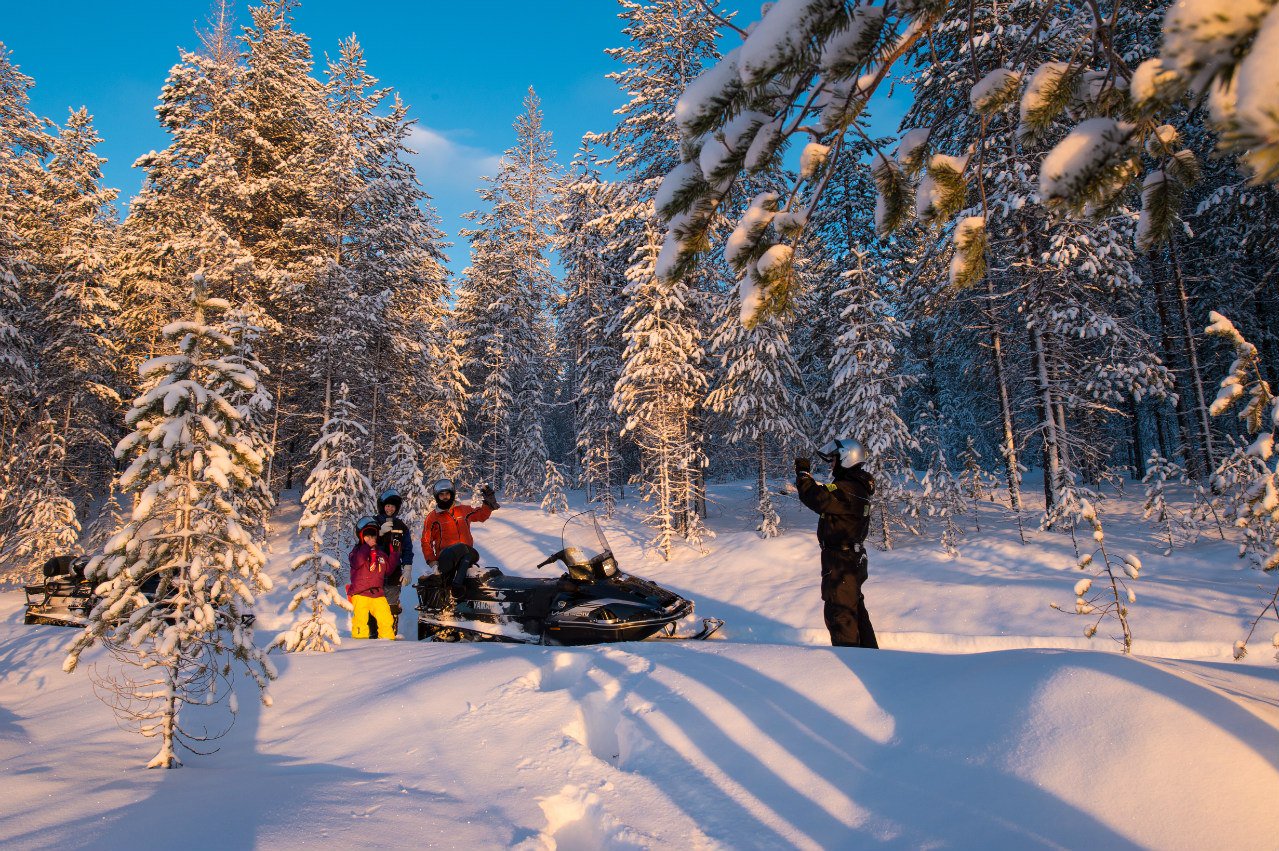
[[761, 738]]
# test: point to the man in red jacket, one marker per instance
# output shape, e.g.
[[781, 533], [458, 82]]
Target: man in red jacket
[[449, 524]]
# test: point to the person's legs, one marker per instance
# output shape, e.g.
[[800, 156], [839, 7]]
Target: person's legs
[[844, 610], [360, 617], [381, 610], [392, 593]]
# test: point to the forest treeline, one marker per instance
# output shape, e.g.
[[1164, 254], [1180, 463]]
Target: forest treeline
[[963, 331]]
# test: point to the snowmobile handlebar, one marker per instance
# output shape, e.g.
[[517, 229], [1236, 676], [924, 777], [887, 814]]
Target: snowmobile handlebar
[[551, 559]]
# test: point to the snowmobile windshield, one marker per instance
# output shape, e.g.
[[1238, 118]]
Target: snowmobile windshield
[[583, 538]]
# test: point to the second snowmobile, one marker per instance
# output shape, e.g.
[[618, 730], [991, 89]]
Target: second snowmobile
[[592, 602]]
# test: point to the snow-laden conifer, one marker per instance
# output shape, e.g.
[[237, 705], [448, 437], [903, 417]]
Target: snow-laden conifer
[[502, 310], [46, 522], [337, 494], [659, 387], [404, 475], [1256, 510], [553, 499], [866, 384], [1159, 472], [177, 582]]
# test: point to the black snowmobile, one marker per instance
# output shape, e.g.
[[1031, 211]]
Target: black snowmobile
[[593, 602], [65, 597]]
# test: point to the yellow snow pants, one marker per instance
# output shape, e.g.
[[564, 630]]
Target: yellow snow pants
[[379, 608]]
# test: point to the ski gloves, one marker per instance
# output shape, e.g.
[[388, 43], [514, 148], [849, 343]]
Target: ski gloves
[[803, 465]]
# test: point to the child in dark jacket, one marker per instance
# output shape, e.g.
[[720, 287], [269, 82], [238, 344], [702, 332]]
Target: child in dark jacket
[[369, 568]]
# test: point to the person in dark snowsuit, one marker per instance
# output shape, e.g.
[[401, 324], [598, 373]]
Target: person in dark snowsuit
[[393, 537], [844, 509]]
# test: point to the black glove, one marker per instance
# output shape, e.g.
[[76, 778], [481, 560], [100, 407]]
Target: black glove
[[490, 499], [802, 465]]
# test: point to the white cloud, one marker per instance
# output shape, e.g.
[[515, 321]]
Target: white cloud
[[447, 167]]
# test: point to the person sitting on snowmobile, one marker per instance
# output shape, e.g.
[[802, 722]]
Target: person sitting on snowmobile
[[449, 524], [844, 509], [393, 537], [369, 568]]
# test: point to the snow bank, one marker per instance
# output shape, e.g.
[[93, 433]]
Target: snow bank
[[766, 738]]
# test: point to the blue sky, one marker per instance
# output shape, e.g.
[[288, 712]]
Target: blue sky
[[462, 68]]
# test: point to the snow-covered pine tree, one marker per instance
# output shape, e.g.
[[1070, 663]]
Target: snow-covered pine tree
[[809, 71], [46, 523], [1115, 596], [941, 494], [404, 475], [660, 385], [867, 382], [670, 42], [761, 395], [337, 493], [75, 350], [178, 580], [1159, 472], [553, 500], [1257, 512], [587, 321], [503, 309], [255, 405]]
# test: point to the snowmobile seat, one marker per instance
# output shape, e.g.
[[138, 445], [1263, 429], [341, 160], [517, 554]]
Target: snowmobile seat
[[67, 566]]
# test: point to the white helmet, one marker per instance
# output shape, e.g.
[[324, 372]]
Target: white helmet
[[844, 451]]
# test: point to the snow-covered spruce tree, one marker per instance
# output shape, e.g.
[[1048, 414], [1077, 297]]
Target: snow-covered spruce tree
[[1115, 595], [178, 579], [337, 492], [867, 382], [46, 518], [254, 403], [761, 396], [587, 321], [23, 147], [1160, 471], [660, 384], [74, 347], [503, 309], [404, 475], [669, 43], [1257, 513], [941, 494], [553, 500]]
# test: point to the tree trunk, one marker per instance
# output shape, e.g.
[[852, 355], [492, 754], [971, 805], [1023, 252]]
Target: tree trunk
[[1138, 451], [1052, 457], [1196, 377], [1009, 444], [1188, 453]]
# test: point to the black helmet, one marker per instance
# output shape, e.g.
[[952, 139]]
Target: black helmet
[[389, 497], [844, 451], [366, 523], [443, 485]]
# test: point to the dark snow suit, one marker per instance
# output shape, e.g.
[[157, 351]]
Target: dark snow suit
[[844, 509], [393, 538]]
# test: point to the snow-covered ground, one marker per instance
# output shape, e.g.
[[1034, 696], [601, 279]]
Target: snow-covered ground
[[760, 738]]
